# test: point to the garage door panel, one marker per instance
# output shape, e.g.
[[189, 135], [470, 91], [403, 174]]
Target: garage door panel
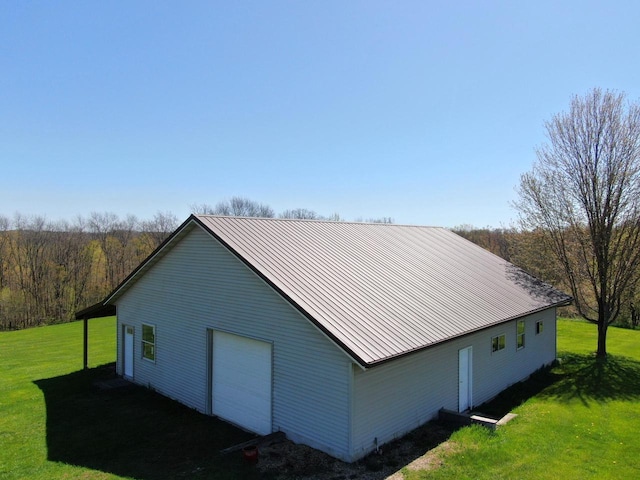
[[242, 381]]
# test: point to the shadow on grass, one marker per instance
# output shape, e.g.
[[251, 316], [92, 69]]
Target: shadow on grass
[[135, 432], [587, 378], [574, 377]]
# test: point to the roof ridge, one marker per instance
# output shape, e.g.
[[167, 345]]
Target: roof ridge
[[318, 220]]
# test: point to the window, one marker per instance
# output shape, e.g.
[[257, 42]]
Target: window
[[539, 327], [497, 343], [520, 335], [149, 342]]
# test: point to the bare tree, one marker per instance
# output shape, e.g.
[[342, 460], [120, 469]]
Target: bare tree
[[583, 194], [4, 268], [101, 225], [237, 207], [334, 217], [28, 253], [243, 207], [156, 230], [388, 220], [300, 214], [202, 209], [69, 257], [4, 239], [116, 241], [493, 239]]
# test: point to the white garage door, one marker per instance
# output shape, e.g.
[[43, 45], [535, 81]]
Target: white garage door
[[242, 381]]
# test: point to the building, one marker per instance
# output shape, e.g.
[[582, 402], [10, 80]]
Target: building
[[342, 335]]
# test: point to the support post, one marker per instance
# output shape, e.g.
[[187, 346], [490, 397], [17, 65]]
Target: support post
[[85, 357]]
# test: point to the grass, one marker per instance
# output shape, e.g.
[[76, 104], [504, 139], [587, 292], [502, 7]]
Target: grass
[[55, 424], [28, 355], [577, 420]]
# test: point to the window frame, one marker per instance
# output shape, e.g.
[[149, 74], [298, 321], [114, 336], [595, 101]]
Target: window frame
[[147, 344], [520, 335], [496, 344], [539, 327]]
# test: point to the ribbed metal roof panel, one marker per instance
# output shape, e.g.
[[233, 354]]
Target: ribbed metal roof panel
[[382, 290]]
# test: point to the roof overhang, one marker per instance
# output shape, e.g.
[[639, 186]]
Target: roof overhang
[[95, 311], [382, 361]]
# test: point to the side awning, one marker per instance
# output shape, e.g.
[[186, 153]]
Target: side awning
[[94, 311]]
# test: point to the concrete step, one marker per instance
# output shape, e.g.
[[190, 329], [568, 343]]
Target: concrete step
[[467, 418]]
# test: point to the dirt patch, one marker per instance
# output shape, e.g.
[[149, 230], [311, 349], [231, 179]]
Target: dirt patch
[[431, 460], [419, 450]]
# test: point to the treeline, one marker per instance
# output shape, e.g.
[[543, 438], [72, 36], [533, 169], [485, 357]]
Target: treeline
[[525, 249], [528, 250], [51, 269]]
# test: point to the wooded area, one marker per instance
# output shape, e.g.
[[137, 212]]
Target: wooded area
[[531, 250], [50, 270]]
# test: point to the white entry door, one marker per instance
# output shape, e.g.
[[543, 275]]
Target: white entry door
[[127, 351], [465, 379], [241, 381]]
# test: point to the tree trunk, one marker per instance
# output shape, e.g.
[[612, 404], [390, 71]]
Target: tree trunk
[[602, 338]]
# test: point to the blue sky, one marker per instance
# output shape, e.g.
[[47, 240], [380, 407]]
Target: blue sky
[[426, 112]]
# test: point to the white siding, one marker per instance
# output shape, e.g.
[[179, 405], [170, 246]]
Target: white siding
[[397, 397], [513, 365], [199, 285]]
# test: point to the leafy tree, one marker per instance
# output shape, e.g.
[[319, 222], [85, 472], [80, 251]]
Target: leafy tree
[[583, 195]]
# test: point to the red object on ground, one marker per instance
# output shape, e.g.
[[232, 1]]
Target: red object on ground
[[250, 455]]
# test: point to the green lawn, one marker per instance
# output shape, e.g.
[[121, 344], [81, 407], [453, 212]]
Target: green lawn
[[27, 356], [579, 420], [55, 424], [583, 421]]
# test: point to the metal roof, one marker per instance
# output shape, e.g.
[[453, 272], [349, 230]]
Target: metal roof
[[381, 291]]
